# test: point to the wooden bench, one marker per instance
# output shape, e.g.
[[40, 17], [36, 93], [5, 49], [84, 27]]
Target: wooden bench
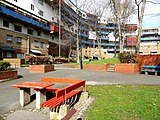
[[151, 69]]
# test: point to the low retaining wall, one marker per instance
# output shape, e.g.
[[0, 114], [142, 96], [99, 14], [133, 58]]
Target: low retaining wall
[[15, 62], [93, 67], [148, 60], [11, 74], [127, 68], [41, 68]]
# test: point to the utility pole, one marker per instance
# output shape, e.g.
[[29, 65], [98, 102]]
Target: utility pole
[[59, 50]]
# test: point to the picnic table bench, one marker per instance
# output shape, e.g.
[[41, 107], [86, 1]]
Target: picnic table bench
[[25, 94], [151, 69], [63, 94]]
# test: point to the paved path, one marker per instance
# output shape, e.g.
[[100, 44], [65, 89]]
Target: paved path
[[9, 97]]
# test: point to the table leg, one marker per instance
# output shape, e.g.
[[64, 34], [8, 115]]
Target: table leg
[[24, 96], [40, 97]]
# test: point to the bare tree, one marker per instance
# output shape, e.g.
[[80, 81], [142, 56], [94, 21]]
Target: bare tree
[[98, 9], [122, 10], [140, 7]]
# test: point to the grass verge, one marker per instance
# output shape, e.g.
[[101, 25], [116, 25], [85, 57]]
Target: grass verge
[[98, 62], [125, 102]]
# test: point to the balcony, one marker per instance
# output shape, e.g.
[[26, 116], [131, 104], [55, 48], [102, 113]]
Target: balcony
[[23, 18], [86, 42], [83, 28], [54, 29], [112, 50], [150, 38], [103, 32], [70, 12], [87, 23], [106, 27], [102, 44], [150, 33], [84, 35], [68, 19], [105, 38]]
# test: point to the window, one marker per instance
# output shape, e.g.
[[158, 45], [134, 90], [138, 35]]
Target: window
[[18, 28], [40, 12], [19, 40], [20, 55], [9, 54], [6, 23], [40, 2], [39, 33], [32, 7], [42, 44], [29, 31], [36, 44], [9, 38]]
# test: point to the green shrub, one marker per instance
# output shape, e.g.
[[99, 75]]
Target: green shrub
[[4, 65], [127, 58]]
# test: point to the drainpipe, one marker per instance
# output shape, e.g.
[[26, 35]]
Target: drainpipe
[[28, 44]]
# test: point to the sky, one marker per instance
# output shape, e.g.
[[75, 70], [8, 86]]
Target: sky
[[152, 15]]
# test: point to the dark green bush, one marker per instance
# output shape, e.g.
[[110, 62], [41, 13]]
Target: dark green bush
[[4, 65], [127, 58]]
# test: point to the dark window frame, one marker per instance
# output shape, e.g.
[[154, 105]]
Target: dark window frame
[[18, 28], [19, 42], [6, 23], [9, 40], [36, 44], [29, 31]]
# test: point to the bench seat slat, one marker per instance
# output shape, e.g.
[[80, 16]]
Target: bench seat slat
[[151, 67], [57, 101], [150, 70]]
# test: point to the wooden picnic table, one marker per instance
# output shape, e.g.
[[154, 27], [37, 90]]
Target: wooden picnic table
[[25, 87]]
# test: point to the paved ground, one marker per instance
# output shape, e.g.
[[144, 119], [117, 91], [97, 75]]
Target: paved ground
[[9, 97]]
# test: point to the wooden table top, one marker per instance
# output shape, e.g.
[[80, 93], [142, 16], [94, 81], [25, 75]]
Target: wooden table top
[[35, 85]]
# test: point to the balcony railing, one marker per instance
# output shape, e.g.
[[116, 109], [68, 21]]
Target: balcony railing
[[21, 17], [87, 23], [105, 38], [150, 38], [83, 28], [103, 32], [150, 33], [70, 12], [68, 19], [106, 27], [84, 35], [103, 44], [112, 50]]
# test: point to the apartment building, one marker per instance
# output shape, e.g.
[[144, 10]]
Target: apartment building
[[131, 37], [150, 41], [25, 28]]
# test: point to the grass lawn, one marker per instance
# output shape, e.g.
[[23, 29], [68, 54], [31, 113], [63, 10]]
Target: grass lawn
[[124, 102], [109, 60]]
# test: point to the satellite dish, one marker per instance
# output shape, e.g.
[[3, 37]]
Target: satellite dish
[[47, 45]]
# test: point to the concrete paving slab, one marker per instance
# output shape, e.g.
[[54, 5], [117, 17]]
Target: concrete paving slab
[[27, 115]]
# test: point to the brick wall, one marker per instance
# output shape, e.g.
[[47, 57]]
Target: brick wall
[[93, 67], [148, 60], [41, 68], [127, 68], [8, 75]]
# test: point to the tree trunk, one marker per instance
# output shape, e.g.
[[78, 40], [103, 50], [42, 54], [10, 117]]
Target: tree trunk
[[140, 19]]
